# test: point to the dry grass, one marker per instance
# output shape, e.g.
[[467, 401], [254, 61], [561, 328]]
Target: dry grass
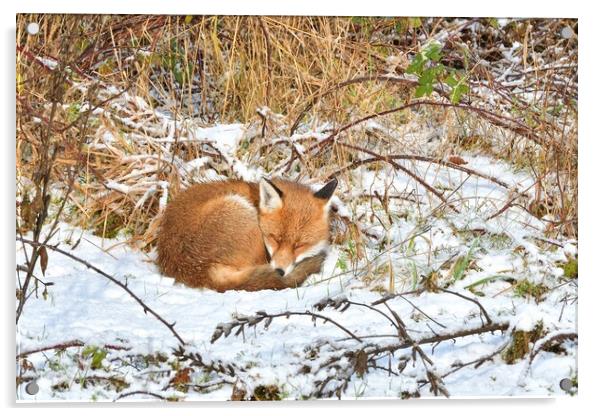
[[281, 76]]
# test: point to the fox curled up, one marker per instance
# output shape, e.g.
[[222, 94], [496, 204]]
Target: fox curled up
[[236, 235]]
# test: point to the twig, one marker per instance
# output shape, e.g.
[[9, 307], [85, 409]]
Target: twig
[[496, 119], [385, 158], [132, 393], [558, 336], [476, 302], [241, 321], [444, 337], [421, 311], [358, 80], [69, 344], [478, 361]]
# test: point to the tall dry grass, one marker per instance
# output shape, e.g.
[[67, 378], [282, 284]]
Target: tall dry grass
[[284, 76]]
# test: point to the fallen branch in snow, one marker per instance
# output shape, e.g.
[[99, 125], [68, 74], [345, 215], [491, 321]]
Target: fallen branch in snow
[[69, 344], [332, 376], [374, 352], [145, 307], [229, 373], [133, 393], [250, 321], [435, 339], [433, 378]]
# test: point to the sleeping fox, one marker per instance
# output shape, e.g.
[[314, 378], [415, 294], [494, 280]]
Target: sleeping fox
[[236, 235]]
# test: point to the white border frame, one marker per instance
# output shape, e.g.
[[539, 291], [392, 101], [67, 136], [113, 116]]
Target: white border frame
[[589, 157]]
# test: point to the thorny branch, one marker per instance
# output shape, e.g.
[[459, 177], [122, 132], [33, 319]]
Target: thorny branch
[[250, 321], [366, 356], [69, 344]]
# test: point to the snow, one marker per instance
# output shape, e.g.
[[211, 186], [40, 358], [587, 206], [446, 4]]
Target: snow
[[85, 306], [47, 62], [410, 242], [124, 189]]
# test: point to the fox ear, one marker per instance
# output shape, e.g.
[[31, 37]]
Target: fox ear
[[270, 197], [327, 190]]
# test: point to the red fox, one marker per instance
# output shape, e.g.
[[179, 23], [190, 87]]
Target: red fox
[[236, 235]]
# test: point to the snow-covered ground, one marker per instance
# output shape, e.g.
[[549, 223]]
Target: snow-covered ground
[[84, 306], [489, 304]]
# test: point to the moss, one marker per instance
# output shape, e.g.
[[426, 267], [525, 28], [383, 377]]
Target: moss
[[570, 269], [268, 392], [499, 241], [524, 288], [519, 346]]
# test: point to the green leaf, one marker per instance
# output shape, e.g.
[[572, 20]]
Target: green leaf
[[97, 354], [433, 52], [458, 92], [417, 65], [427, 77], [188, 19], [342, 263], [423, 90], [97, 359], [451, 80], [462, 263]]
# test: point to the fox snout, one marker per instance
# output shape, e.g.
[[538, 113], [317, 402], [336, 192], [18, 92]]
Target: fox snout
[[284, 261], [294, 222]]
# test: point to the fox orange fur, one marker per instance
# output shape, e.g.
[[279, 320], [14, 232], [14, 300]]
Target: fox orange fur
[[236, 235]]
